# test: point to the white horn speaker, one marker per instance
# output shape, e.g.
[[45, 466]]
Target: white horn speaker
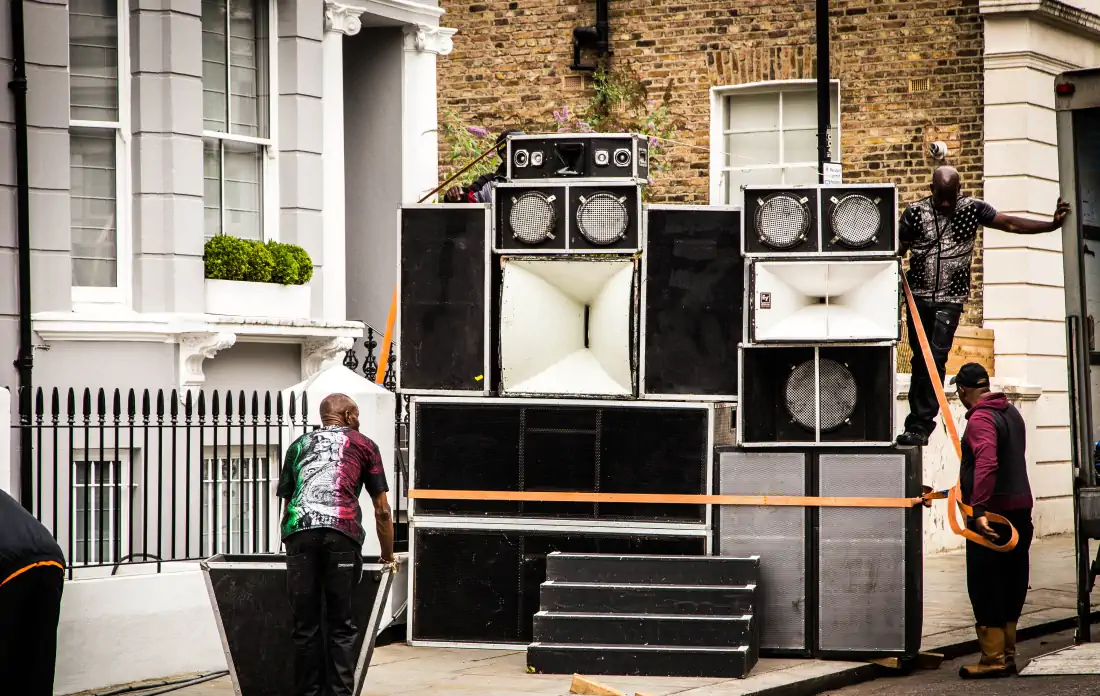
[[821, 301], [567, 326]]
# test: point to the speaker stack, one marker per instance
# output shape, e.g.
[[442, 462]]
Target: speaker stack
[[815, 418], [567, 337], [563, 338]]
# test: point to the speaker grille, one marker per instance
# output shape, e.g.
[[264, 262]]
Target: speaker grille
[[862, 555], [856, 220], [801, 395], [838, 394], [776, 534], [602, 218], [782, 221], [532, 218]]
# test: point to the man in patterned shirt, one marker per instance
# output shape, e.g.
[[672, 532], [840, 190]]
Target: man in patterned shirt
[[939, 232], [322, 528]]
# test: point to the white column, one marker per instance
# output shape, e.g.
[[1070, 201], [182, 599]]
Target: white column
[[419, 141], [340, 21]]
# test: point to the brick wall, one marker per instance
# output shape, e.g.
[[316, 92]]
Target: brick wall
[[910, 72]]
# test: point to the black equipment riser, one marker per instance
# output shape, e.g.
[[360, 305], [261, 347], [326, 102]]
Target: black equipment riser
[[639, 629], [648, 599], [639, 661], [653, 570]]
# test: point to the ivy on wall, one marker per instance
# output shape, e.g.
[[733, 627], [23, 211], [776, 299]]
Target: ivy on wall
[[620, 102]]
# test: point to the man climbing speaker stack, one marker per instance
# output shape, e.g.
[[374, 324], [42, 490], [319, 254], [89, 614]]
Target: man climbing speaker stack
[[939, 231]]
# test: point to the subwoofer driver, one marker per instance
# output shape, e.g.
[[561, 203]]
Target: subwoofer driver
[[782, 220], [532, 217], [603, 218], [830, 395]]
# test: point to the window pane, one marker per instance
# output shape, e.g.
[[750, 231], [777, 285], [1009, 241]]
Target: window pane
[[751, 112], [93, 224], [243, 176], [800, 109], [93, 60], [248, 69], [800, 176], [800, 146], [214, 65], [752, 149], [212, 187], [749, 177]]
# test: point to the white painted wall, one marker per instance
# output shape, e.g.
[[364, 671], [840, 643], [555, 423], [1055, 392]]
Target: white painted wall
[[125, 629], [7, 455], [1026, 46]]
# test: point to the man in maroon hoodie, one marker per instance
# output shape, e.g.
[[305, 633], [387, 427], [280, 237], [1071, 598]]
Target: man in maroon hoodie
[[993, 477]]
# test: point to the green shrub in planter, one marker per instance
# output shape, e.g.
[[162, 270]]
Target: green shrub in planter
[[287, 269], [230, 258]]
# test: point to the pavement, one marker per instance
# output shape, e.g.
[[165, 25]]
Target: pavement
[[1051, 607]]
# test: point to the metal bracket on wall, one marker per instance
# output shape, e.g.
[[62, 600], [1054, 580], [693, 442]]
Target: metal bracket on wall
[[596, 38]]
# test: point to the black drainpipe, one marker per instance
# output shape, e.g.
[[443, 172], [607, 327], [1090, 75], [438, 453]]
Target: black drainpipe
[[25, 362]]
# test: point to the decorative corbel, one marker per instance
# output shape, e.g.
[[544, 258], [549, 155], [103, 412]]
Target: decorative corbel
[[318, 351], [342, 18], [194, 349], [421, 37]]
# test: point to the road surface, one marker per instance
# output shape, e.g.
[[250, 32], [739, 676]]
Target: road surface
[[945, 681]]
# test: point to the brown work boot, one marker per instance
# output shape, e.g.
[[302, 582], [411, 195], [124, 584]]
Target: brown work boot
[[991, 639], [1010, 646]]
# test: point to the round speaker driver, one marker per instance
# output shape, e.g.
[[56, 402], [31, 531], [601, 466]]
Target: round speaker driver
[[856, 220], [602, 218], [532, 217], [838, 395], [782, 221]]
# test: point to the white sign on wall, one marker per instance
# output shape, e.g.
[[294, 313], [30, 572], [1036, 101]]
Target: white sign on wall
[[834, 173]]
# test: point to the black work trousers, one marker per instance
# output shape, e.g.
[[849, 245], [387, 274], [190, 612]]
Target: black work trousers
[[323, 568], [997, 581], [30, 606], [940, 322]]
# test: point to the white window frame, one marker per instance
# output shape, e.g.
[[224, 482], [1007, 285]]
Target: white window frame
[[122, 293], [267, 502], [269, 174], [124, 486], [719, 115]]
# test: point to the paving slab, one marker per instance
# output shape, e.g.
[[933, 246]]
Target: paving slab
[[948, 627]]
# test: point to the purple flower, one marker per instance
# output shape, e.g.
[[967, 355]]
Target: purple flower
[[562, 116], [478, 131], [585, 127], [652, 142], [649, 181]]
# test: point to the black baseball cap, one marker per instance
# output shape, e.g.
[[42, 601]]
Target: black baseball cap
[[971, 375]]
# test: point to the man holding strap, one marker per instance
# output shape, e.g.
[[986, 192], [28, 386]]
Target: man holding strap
[[939, 231]]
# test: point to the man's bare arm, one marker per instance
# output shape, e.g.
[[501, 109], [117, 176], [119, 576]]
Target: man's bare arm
[[1020, 225], [383, 524]]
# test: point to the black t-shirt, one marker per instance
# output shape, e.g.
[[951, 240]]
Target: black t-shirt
[[23, 539], [942, 248]]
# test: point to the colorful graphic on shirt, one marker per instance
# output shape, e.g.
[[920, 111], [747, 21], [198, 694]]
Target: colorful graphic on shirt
[[323, 473]]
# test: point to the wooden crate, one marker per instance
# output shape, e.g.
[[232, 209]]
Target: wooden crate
[[972, 344]]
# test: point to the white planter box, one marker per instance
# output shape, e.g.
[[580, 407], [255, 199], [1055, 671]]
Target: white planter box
[[263, 300]]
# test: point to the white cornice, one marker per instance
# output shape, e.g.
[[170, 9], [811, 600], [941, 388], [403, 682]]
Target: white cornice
[[167, 328], [1027, 59], [342, 18], [380, 7], [1052, 11]]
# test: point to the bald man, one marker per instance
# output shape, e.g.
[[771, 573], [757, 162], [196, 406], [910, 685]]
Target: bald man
[[939, 232], [322, 475]]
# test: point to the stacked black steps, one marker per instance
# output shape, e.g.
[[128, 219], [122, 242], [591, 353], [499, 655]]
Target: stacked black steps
[[673, 616]]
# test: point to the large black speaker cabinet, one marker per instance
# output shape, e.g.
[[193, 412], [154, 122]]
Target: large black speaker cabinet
[[248, 595], [522, 445], [443, 327], [836, 582], [828, 395], [579, 217], [693, 297], [577, 156], [846, 220], [481, 586], [567, 326]]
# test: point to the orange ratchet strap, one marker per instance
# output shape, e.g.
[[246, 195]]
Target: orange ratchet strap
[[927, 496], [954, 499]]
